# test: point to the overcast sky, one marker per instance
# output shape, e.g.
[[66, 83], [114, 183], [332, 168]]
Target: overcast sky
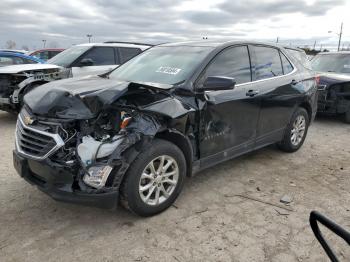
[[63, 22]]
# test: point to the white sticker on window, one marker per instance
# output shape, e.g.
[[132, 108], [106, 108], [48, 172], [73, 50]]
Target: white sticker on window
[[168, 70], [346, 66]]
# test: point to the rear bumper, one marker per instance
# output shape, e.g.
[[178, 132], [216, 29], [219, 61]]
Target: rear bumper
[[57, 182]]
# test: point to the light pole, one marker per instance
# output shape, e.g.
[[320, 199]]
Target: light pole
[[44, 42], [340, 34], [89, 36]]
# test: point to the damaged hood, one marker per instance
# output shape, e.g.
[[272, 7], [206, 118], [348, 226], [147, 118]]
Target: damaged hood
[[84, 98], [15, 69], [74, 98]]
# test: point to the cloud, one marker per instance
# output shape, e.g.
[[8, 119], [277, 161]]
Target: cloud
[[68, 22]]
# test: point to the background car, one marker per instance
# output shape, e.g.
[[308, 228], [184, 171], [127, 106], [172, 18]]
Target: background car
[[77, 61], [14, 58], [46, 54], [334, 83]]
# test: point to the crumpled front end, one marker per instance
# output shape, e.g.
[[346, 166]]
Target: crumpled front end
[[13, 86], [333, 96], [84, 159]]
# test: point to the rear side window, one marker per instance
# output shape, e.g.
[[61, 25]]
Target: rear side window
[[287, 66], [126, 53], [232, 62], [268, 62], [100, 56]]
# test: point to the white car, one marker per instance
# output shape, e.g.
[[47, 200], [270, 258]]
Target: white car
[[77, 61]]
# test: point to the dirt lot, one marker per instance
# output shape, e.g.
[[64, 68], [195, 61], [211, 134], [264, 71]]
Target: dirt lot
[[207, 223]]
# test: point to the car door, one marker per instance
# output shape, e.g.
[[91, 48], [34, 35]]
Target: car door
[[102, 58], [276, 81], [228, 122]]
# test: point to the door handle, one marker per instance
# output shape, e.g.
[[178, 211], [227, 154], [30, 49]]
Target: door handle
[[252, 93]]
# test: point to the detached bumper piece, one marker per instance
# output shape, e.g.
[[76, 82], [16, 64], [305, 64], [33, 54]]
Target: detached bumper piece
[[57, 182]]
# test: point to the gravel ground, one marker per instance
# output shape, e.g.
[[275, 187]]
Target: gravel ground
[[208, 222]]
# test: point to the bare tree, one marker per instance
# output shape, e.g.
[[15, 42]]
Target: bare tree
[[25, 47], [10, 44]]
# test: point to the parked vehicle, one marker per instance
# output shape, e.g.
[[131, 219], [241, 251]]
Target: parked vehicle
[[24, 52], [334, 83], [46, 54], [79, 60], [13, 58], [136, 133]]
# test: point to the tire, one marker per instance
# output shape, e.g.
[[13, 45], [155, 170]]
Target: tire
[[132, 195], [292, 143], [347, 116]]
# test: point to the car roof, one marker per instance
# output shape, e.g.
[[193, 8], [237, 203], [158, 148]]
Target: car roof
[[219, 43], [5, 53], [294, 48], [119, 44]]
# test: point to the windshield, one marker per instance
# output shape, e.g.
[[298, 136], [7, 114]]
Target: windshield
[[163, 64], [66, 57], [339, 63]]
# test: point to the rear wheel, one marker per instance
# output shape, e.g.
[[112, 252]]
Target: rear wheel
[[296, 131], [347, 116], [154, 179]]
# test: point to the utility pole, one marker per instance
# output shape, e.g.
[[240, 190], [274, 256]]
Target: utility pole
[[315, 45], [89, 36], [277, 39], [44, 42], [340, 34]]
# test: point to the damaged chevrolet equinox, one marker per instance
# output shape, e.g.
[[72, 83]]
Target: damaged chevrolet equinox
[[133, 135]]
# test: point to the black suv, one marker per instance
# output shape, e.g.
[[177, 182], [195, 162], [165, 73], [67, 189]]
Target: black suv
[[135, 133]]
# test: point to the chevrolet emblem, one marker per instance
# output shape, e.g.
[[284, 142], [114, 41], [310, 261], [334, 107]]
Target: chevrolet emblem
[[28, 120]]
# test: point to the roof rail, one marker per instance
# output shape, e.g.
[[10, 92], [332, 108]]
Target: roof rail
[[121, 42]]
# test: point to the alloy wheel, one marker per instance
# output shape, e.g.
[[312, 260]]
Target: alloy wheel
[[158, 180], [298, 130]]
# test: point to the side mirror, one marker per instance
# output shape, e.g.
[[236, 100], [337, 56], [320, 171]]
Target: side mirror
[[214, 83], [86, 62]]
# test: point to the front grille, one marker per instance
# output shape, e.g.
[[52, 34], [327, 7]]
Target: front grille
[[34, 143]]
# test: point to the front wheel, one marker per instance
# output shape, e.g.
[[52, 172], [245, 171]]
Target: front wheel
[[296, 131], [154, 179]]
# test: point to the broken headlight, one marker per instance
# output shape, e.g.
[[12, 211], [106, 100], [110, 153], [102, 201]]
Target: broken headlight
[[97, 176]]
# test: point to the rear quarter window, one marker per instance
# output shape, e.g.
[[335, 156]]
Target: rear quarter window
[[287, 66], [268, 62]]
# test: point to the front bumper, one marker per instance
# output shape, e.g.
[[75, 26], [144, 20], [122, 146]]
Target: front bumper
[[57, 182]]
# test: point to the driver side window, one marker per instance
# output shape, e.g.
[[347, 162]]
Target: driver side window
[[100, 56], [231, 62]]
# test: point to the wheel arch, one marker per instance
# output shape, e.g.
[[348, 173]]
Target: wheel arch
[[181, 142], [306, 105]]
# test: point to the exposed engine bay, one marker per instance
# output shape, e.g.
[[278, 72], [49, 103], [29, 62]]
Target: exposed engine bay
[[14, 85], [101, 134]]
